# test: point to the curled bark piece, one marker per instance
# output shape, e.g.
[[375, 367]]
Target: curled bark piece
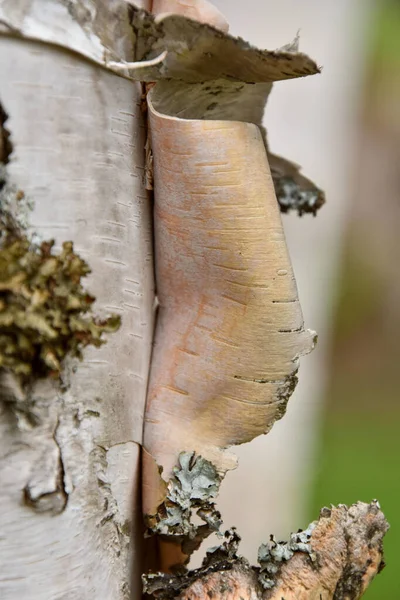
[[211, 75], [230, 329], [197, 52], [344, 555], [233, 79]]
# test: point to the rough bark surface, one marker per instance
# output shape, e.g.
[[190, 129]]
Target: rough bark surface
[[334, 559]]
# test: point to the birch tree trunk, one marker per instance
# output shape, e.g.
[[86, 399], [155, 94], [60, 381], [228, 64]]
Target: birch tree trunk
[[68, 483], [73, 169]]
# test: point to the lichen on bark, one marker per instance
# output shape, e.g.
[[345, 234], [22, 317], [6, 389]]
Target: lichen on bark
[[335, 558], [273, 554], [43, 308], [219, 558], [192, 489], [45, 312]]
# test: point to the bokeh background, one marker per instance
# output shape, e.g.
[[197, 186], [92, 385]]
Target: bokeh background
[[340, 440], [359, 442]]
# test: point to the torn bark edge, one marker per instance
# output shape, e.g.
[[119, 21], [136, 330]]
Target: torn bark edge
[[336, 558]]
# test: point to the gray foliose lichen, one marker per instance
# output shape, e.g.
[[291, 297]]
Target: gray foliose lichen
[[192, 489], [272, 554]]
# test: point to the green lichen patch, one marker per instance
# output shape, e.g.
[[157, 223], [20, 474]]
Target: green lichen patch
[[192, 489], [45, 313]]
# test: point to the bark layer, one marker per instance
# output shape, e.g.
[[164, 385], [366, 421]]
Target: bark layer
[[336, 559], [69, 455]]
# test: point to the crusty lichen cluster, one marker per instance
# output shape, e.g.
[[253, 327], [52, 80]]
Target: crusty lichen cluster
[[44, 308]]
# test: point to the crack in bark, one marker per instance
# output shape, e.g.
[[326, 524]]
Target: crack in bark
[[45, 491], [111, 511], [5, 140]]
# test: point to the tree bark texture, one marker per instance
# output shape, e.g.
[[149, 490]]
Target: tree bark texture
[[334, 559], [68, 483]]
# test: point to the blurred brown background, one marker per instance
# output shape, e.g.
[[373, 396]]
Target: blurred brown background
[[340, 439]]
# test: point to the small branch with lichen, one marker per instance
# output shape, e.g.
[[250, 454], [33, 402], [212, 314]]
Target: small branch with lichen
[[335, 558]]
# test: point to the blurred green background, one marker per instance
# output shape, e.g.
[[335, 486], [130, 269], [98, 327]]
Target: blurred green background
[[359, 453]]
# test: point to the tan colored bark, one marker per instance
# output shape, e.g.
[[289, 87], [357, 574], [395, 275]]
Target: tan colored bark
[[345, 554], [230, 329]]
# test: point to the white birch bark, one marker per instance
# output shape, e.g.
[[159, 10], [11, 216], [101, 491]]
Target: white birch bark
[[69, 484]]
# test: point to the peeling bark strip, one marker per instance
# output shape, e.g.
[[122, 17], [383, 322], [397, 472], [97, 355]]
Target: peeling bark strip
[[230, 329], [336, 558]]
